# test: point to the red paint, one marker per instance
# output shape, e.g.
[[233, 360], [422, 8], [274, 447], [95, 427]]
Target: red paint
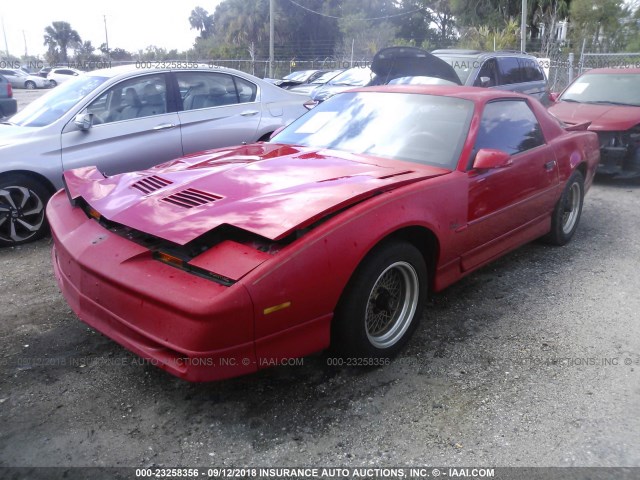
[[164, 313]]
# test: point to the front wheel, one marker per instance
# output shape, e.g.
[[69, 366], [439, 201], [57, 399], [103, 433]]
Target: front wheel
[[566, 214], [382, 304], [53, 83], [22, 210]]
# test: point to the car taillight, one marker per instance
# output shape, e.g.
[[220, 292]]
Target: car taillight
[[9, 90]]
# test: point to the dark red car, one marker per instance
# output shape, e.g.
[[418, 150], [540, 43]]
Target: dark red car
[[332, 234], [608, 99]]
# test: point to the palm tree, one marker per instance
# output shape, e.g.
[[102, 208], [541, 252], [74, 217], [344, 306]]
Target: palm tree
[[201, 21], [59, 36]]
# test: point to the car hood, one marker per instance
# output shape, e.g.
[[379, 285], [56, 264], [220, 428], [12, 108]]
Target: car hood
[[602, 117], [268, 189], [397, 62]]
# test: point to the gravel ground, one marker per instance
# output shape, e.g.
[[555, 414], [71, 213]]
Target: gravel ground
[[533, 360]]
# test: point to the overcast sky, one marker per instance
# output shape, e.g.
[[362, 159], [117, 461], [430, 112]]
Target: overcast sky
[[131, 24]]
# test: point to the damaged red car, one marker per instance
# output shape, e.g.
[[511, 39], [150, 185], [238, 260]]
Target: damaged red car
[[609, 100], [332, 234]]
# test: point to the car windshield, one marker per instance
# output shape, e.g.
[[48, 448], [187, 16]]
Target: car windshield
[[605, 88], [461, 64], [53, 105], [424, 129], [299, 76], [324, 78], [354, 77]]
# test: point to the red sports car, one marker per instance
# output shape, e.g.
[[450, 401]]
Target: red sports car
[[608, 98], [331, 234]]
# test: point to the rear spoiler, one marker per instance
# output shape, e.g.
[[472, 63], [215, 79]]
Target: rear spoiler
[[577, 127]]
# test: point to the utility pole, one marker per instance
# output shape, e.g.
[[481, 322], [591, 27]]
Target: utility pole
[[106, 37], [4, 32], [271, 38], [24, 37], [523, 27]]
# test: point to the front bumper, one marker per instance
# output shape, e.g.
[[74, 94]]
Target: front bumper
[[189, 326]]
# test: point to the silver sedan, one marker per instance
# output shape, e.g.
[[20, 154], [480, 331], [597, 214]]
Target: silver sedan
[[124, 119]]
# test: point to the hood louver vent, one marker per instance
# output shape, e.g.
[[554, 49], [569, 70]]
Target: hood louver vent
[[151, 184], [397, 174], [190, 198]]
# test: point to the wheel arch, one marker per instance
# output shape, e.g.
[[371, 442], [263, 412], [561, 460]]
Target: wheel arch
[[44, 181]]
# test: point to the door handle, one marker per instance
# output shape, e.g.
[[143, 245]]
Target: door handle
[[249, 113], [164, 126], [550, 165]]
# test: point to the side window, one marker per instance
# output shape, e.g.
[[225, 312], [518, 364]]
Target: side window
[[247, 91], [509, 70], [530, 70], [488, 70], [65, 72], [135, 98], [206, 89], [510, 126]]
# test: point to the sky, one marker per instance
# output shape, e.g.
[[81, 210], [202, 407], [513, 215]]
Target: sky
[[131, 24]]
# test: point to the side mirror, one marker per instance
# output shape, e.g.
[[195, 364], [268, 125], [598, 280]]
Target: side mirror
[[553, 97], [276, 132], [84, 121], [485, 82], [488, 158]]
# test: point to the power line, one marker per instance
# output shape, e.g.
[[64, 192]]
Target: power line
[[372, 18]]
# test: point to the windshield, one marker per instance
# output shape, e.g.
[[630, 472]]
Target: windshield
[[299, 76], [354, 77], [462, 65], [53, 105], [324, 78], [606, 88], [424, 129]]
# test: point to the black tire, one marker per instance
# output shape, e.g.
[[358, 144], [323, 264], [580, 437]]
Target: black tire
[[370, 321], [22, 210], [566, 214], [53, 83], [30, 85]]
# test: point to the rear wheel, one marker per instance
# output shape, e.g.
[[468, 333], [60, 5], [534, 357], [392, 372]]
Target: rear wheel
[[53, 83], [22, 210], [30, 85], [566, 214], [382, 305]]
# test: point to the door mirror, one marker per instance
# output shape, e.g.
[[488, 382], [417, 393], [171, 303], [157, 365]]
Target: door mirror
[[84, 121], [553, 96], [485, 82], [488, 158]]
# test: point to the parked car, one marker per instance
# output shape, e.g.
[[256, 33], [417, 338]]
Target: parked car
[[350, 78], [8, 104], [61, 75], [332, 234], [44, 71], [391, 65], [124, 119], [19, 79], [299, 77], [609, 100], [307, 88], [504, 70]]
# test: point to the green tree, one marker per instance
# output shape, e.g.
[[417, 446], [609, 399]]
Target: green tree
[[59, 37], [201, 20], [598, 23]]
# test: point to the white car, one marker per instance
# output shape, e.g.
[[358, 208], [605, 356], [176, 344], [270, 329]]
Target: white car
[[21, 79], [60, 75]]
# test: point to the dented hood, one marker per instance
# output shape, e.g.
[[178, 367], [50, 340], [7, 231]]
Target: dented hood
[[270, 190], [602, 117]]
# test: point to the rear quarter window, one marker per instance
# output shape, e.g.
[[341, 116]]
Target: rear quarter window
[[530, 70]]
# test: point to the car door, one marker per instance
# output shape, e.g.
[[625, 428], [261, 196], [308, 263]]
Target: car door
[[132, 129], [218, 109], [508, 200]]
